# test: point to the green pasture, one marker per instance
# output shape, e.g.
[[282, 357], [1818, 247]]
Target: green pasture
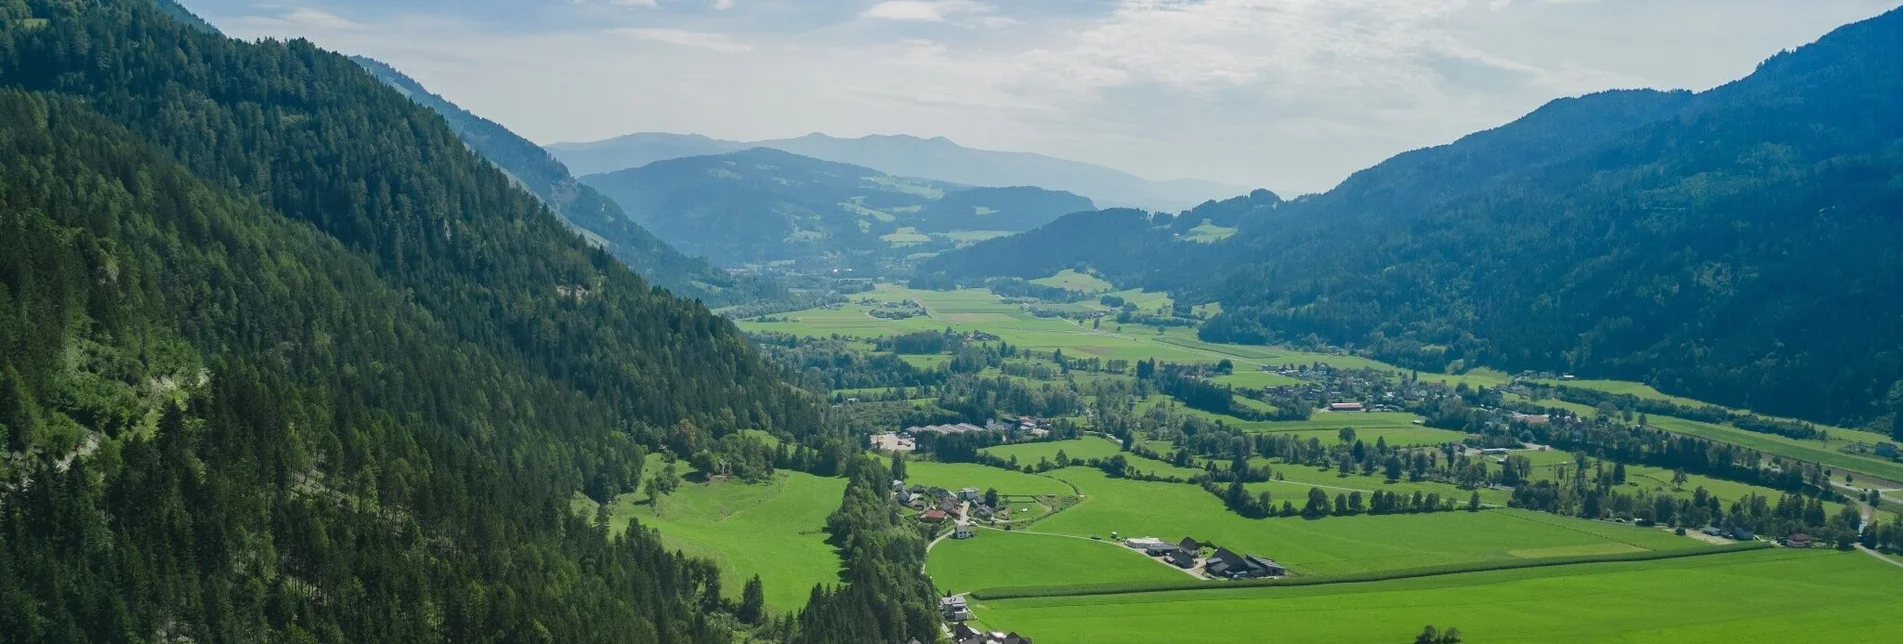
[[955, 476], [995, 558], [1209, 233], [1296, 479], [1072, 280], [774, 530], [1772, 595], [1076, 449], [1337, 545]]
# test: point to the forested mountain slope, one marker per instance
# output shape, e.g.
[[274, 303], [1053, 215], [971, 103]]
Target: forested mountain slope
[[1128, 246], [1734, 252], [282, 360], [763, 205], [908, 156], [581, 205], [1728, 245]]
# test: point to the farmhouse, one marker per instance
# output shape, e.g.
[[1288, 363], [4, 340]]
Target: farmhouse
[[1268, 566], [962, 634], [1189, 545], [970, 494], [962, 532], [1799, 540], [1346, 406], [1229, 565], [1181, 559], [954, 608], [933, 515]]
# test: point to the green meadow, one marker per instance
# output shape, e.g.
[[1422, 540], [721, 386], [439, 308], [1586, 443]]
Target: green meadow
[[1076, 449], [1771, 595], [1339, 545], [773, 530], [994, 558], [1296, 479], [1072, 280], [955, 476]]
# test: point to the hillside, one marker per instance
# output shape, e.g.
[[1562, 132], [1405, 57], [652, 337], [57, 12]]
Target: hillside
[[1131, 246], [596, 216], [909, 156], [1687, 241], [282, 360], [764, 206]]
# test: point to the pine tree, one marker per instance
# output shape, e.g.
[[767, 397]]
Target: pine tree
[[752, 602]]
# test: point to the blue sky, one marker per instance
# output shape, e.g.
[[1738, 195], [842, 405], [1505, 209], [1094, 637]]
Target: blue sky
[[1292, 95]]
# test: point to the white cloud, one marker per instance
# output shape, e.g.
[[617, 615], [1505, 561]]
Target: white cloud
[[1292, 95], [699, 40], [923, 10]]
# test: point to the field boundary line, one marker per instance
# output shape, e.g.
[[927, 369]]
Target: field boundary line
[[1026, 592]]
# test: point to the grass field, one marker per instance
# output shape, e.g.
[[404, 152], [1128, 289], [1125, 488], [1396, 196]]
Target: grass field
[[1298, 478], [998, 558], [1759, 596], [1080, 448], [1074, 281], [1209, 233], [1335, 545], [954, 476], [772, 530]]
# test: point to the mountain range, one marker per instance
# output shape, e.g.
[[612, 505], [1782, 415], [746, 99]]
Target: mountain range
[[1733, 245], [594, 216], [909, 156], [763, 206]]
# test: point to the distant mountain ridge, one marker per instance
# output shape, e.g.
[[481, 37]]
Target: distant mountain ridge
[[597, 217], [909, 156], [1733, 245], [764, 206]]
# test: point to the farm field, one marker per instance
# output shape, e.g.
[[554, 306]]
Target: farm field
[[953, 476], [1339, 545], [1081, 448], [773, 530], [1759, 596], [1659, 481], [995, 558], [1071, 280], [1823, 452], [1298, 478]]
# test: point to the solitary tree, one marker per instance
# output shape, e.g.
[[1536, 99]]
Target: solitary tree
[[1473, 502], [752, 602], [661, 485], [991, 497]]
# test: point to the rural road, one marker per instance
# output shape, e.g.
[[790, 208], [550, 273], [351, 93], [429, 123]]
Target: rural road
[[1869, 520]]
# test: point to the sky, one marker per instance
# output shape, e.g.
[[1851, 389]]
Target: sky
[[1290, 95]]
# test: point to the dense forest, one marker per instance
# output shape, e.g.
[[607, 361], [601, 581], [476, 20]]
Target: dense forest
[[282, 360], [581, 205], [1732, 245]]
